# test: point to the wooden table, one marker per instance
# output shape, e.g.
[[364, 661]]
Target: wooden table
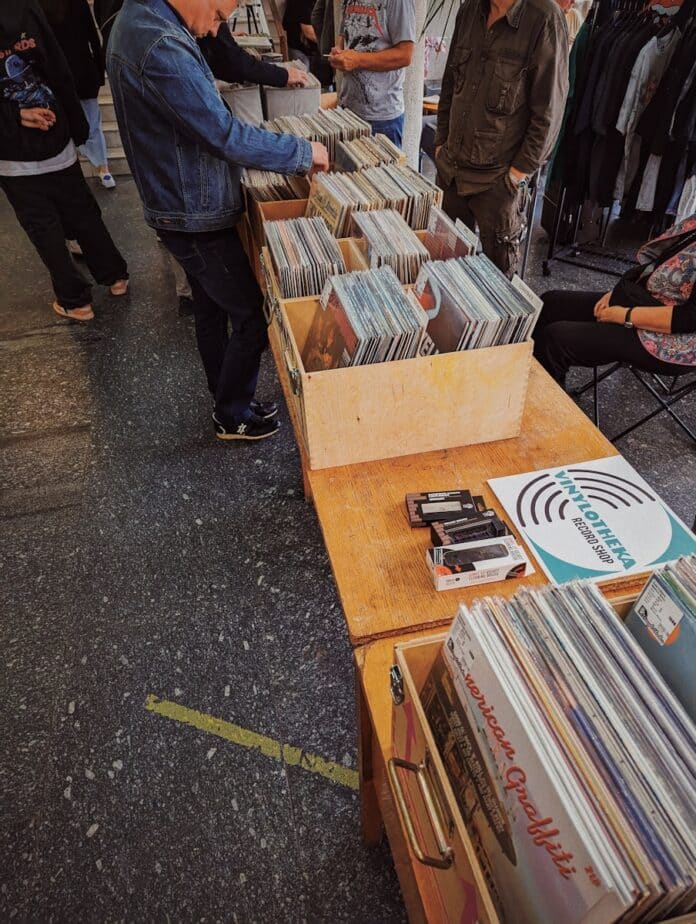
[[383, 582], [378, 561]]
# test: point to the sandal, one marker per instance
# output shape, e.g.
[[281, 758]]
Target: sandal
[[120, 287], [75, 314]]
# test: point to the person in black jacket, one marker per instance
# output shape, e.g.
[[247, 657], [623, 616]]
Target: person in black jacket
[[74, 27], [233, 64], [41, 120], [105, 12]]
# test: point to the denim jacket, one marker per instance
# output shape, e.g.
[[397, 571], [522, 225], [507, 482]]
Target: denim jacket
[[185, 149]]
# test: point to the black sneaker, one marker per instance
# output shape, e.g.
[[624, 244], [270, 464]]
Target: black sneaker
[[252, 429], [266, 410]]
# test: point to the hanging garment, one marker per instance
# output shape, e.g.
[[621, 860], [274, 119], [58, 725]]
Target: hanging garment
[[687, 203], [609, 143], [646, 196], [646, 75]]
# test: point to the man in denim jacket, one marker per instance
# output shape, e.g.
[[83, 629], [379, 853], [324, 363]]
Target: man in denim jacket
[[186, 152]]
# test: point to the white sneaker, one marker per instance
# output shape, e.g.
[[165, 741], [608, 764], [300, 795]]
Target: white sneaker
[[107, 181]]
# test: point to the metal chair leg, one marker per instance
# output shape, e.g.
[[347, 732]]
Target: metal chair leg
[[595, 395], [665, 405]]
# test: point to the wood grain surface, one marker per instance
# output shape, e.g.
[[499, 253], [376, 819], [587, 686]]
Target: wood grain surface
[[378, 561]]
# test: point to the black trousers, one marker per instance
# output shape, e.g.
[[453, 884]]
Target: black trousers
[[54, 206], [568, 335], [225, 293]]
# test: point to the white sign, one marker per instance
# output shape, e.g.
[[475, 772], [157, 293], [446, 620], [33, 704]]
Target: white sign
[[595, 520]]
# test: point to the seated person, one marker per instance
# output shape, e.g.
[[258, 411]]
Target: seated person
[[648, 320]]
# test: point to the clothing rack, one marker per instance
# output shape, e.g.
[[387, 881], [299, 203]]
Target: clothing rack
[[567, 216]]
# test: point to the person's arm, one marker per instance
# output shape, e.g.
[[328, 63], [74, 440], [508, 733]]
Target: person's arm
[[447, 89], [207, 121], [95, 42], [547, 95], [390, 59], [318, 14], [60, 79], [308, 33], [14, 120], [230, 62], [662, 319]]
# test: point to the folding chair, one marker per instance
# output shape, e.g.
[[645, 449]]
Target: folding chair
[[666, 394]]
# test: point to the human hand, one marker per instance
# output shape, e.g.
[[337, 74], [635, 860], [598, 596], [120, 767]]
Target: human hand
[[517, 176], [602, 304], [38, 117], [348, 60], [611, 314], [320, 158], [297, 77]]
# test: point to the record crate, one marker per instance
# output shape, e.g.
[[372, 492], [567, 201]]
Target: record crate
[[399, 408], [439, 843], [260, 212]]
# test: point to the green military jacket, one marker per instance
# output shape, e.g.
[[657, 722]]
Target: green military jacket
[[503, 93]]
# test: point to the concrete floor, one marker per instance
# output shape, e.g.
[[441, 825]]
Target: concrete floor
[[139, 557]]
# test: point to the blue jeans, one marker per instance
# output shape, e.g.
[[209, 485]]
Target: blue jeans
[[94, 148], [225, 294], [392, 128]]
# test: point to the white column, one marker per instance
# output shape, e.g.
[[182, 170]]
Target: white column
[[413, 91]]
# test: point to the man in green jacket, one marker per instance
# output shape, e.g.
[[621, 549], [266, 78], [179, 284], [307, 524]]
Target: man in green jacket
[[501, 106]]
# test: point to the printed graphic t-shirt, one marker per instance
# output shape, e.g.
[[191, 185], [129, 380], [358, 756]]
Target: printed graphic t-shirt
[[373, 26]]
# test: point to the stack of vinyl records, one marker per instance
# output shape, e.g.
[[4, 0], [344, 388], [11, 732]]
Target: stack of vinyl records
[[336, 196], [329, 126], [663, 622], [390, 242], [470, 304], [570, 758], [364, 318], [445, 238], [266, 186], [304, 255], [367, 151]]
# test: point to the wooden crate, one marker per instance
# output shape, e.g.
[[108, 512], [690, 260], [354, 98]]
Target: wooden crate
[[392, 409], [425, 800], [352, 254], [385, 410], [260, 212], [455, 886]]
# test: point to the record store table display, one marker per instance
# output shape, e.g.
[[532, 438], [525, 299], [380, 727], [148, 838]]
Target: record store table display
[[403, 406], [394, 615], [388, 599]]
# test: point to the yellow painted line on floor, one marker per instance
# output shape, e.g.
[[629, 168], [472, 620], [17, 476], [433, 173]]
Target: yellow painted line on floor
[[253, 741]]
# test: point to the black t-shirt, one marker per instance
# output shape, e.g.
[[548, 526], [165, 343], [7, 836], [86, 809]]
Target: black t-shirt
[[298, 12]]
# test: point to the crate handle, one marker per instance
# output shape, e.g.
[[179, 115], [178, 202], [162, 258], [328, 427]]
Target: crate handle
[[267, 309], [293, 374], [444, 861]]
